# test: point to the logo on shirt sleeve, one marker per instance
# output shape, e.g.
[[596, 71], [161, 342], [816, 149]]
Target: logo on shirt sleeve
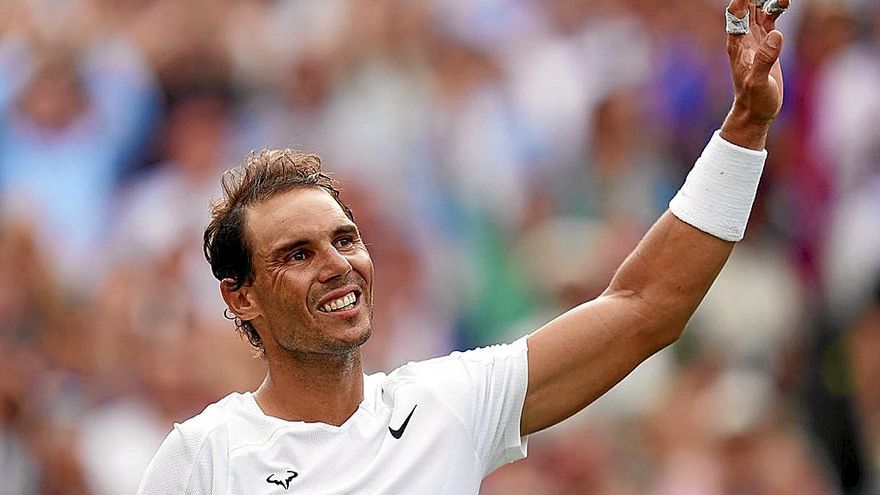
[[286, 482]]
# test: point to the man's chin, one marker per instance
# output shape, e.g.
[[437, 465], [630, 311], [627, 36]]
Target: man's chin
[[339, 345], [361, 339]]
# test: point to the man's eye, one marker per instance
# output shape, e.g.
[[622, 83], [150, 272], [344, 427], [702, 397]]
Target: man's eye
[[345, 241], [298, 255]]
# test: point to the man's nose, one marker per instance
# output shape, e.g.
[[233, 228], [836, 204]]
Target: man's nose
[[335, 265]]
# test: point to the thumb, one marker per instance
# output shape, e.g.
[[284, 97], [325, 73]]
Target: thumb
[[767, 55]]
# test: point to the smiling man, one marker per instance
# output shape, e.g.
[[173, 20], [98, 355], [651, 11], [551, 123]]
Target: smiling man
[[297, 276]]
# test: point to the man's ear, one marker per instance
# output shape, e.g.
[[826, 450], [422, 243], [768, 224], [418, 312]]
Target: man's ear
[[243, 301]]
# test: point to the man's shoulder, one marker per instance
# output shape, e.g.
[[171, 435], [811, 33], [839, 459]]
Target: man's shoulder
[[195, 450], [216, 419], [457, 366], [455, 358]]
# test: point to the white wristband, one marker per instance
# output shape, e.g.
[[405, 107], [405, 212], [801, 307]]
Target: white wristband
[[718, 193]]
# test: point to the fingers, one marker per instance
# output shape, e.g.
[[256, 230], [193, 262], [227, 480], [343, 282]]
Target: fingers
[[767, 55], [738, 7], [739, 18], [773, 9]]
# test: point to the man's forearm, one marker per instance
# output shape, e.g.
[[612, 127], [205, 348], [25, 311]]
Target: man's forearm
[[668, 274]]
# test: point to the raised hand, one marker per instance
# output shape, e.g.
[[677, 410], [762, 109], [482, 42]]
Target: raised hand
[[757, 75]]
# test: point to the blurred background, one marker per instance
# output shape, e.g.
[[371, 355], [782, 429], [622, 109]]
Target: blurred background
[[502, 157]]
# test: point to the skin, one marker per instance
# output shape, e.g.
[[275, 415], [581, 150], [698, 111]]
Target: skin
[[305, 253], [315, 367]]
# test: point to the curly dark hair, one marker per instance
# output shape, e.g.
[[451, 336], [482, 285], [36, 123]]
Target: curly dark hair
[[262, 175]]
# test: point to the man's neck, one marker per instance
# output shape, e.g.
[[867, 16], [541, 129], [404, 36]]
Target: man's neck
[[313, 389]]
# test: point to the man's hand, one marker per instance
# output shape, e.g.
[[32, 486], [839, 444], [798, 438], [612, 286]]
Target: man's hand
[[757, 76]]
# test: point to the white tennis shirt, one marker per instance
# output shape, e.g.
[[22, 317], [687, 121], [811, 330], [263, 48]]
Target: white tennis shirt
[[438, 426]]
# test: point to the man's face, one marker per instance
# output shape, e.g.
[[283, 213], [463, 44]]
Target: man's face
[[313, 276]]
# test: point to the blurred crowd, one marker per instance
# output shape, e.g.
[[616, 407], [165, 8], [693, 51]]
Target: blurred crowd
[[502, 157]]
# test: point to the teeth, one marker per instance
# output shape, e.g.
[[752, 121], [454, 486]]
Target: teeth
[[342, 303]]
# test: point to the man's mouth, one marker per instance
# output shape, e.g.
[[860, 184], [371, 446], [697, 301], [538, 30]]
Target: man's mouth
[[343, 303]]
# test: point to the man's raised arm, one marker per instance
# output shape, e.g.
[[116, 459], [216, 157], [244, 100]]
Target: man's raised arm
[[581, 354]]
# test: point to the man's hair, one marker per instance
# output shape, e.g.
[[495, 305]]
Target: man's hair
[[263, 175]]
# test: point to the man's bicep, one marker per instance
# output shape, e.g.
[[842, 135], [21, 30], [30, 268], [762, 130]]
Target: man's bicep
[[577, 357]]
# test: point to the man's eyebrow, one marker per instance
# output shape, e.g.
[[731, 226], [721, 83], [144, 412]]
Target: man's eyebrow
[[347, 228], [288, 246]]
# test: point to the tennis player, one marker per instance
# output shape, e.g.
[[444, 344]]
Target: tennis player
[[296, 275]]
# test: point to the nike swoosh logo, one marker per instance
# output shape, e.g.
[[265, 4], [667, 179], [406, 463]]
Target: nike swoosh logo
[[399, 432]]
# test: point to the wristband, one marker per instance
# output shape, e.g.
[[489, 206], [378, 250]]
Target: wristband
[[718, 193]]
